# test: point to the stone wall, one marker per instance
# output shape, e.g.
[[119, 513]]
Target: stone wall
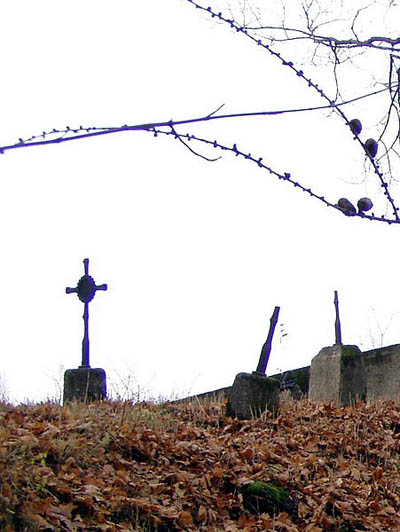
[[342, 374], [345, 375], [300, 375], [214, 395], [382, 368]]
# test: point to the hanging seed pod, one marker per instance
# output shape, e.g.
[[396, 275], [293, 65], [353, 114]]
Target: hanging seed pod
[[355, 126], [346, 207], [364, 204], [372, 147]]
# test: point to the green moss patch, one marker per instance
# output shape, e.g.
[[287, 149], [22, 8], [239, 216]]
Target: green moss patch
[[276, 493]]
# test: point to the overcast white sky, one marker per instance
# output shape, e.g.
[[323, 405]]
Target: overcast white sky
[[196, 254]]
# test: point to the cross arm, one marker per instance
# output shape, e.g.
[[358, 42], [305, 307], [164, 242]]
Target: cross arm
[[69, 290]]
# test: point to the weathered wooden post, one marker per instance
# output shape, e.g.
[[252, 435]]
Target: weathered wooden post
[[266, 348], [85, 383]]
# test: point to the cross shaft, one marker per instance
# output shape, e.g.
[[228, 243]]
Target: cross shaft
[[86, 290]]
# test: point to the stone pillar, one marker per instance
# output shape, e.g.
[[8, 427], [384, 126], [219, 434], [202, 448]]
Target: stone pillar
[[251, 394], [84, 385], [338, 374]]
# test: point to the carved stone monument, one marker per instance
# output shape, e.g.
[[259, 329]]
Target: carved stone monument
[[85, 383]]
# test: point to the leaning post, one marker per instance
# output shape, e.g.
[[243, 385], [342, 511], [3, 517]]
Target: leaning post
[[266, 348], [252, 393]]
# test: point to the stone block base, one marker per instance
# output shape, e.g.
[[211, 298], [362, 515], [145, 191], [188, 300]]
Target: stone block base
[[338, 374], [84, 385], [251, 394]]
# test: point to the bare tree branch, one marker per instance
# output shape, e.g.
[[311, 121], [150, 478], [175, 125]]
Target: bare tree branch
[[338, 48], [179, 137], [312, 17], [57, 136], [372, 42]]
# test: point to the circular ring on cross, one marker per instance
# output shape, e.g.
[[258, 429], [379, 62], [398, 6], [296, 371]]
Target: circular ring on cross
[[86, 288]]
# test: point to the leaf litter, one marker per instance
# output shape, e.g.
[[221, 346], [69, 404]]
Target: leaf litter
[[114, 466]]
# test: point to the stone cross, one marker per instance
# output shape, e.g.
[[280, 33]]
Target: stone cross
[[86, 290]]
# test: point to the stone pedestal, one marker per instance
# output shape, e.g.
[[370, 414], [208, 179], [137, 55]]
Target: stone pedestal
[[251, 394], [338, 374], [84, 384]]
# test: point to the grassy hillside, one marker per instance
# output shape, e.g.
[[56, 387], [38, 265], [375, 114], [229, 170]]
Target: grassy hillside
[[121, 467]]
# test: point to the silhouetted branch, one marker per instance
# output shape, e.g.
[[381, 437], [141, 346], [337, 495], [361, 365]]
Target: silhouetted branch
[[259, 42], [69, 134], [369, 147], [372, 42], [179, 137], [282, 176]]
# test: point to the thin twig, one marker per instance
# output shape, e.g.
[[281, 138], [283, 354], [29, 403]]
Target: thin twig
[[177, 136]]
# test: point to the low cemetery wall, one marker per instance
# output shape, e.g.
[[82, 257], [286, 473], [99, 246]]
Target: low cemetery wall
[[301, 376], [382, 373], [345, 375], [340, 373]]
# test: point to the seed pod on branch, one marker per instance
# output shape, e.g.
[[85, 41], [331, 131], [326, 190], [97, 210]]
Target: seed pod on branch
[[372, 147], [346, 207], [364, 204], [355, 126]]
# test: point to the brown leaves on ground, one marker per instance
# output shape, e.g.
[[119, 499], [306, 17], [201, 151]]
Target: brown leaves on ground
[[111, 467]]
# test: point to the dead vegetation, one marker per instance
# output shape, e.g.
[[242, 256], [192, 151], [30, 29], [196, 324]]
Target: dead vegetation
[[115, 466]]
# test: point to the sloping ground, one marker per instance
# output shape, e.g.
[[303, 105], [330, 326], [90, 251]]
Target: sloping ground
[[117, 467]]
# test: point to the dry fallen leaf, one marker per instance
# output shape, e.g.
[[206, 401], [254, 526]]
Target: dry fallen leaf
[[81, 468], [185, 519]]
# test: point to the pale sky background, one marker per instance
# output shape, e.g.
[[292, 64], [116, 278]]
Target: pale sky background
[[196, 255]]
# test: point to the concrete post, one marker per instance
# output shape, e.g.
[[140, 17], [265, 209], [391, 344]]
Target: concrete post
[[338, 374]]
